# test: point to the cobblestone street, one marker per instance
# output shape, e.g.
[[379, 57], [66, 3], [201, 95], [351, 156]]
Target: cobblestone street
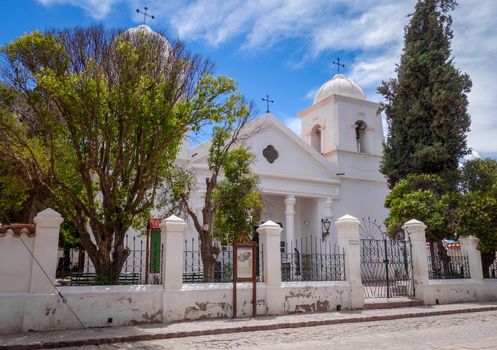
[[463, 331]]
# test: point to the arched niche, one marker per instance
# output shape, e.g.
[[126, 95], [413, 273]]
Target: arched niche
[[360, 135], [316, 137]]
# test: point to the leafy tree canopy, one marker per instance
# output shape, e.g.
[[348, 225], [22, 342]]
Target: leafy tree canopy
[[237, 197], [95, 117], [477, 209], [426, 104], [421, 197]]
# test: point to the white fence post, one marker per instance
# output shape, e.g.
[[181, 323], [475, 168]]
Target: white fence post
[[270, 236], [349, 240], [45, 249], [416, 231], [469, 245], [172, 236]]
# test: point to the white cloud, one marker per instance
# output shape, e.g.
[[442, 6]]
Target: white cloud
[[294, 124], [371, 29], [98, 9]]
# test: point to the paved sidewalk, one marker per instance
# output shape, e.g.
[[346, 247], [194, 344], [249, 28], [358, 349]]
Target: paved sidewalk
[[95, 336]]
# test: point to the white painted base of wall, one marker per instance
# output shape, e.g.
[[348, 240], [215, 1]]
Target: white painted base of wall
[[128, 305], [457, 291]]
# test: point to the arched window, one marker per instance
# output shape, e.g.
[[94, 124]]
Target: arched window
[[316, 138], [360, 135]]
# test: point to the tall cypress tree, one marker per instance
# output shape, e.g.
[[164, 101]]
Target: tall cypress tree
[[426, 104]]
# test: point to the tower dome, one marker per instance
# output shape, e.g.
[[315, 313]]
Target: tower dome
[[134, 34], [339, 85]]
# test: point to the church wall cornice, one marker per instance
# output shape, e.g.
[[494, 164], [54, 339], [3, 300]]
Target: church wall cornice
[[334, 99]]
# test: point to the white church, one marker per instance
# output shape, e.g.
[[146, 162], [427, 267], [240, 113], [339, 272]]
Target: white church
[[328, 171]]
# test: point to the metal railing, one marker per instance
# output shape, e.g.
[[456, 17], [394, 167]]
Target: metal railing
[[443, 264], [193, 266], [311, 259], [489, 265], [75, 268]]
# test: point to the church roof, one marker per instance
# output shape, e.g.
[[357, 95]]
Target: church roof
[[339, 85], [266, 121]]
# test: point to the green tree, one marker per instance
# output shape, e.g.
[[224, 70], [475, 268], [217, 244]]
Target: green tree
[[425, 198], [426, 104], [225, 158], [20, 199], [478, 175], [477, 210], [237, 198], [96, 120]]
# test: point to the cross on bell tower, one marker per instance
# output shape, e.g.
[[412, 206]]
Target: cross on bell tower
[[338, 64], [145, 14], [267, 102]]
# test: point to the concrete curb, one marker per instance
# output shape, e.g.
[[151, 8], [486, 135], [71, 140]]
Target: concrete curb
[[228, 330]]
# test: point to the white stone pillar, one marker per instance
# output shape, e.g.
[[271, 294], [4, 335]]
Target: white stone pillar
[[269, 235], [349, 240], [469, 245], [416, 231], [290, 220], [172, 231], [45, 248]]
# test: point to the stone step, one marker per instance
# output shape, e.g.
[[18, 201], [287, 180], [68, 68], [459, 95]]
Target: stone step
[[371, 304]]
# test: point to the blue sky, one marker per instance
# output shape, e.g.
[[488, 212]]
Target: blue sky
[[284, 48]]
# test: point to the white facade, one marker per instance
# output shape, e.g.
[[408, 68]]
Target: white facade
[[329, 171]]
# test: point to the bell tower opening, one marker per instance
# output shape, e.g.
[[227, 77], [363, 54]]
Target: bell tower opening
[[360, 135], [316, 138]]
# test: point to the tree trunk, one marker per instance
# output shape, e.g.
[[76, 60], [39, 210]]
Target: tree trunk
[[444, 259], [209, 255], [487, 260], [108, 263], [440, 265]]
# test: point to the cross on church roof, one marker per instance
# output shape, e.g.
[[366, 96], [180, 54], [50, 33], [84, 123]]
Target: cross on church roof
[[267, 102], [338, 64], [145, 14]]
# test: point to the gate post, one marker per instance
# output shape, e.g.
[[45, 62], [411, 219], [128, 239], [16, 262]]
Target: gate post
[[470, 245], [415, 230], [45, 250], [172, 236], [270, 237], [348, 239]]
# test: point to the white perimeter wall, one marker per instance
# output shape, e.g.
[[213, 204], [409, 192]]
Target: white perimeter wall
[[129, 305]]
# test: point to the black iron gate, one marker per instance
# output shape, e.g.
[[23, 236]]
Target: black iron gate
[[386, 264]]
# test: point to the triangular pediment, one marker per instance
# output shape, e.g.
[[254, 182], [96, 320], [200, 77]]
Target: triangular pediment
[[295, 159]]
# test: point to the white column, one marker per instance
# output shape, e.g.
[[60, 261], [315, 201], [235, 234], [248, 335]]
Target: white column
[[172, 236], [349, 241], [328, 208], [46, 245], [416, 231], [269, 235], [469, 245], [290, 219]]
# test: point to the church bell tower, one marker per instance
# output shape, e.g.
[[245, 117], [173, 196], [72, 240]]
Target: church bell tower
[[341, 123]]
